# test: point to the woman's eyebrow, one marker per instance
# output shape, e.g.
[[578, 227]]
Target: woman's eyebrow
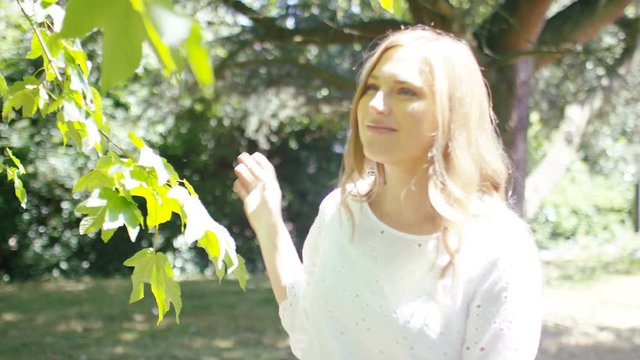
[[402, 81]]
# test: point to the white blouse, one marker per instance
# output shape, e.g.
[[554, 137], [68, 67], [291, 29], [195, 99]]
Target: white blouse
[[376, 292]]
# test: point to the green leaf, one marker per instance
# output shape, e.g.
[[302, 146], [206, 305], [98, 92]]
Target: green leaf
[[79, 82], [54, 106], [399, 9], [36, 47], [149, 159], [189, 187], [42, 99], [74, 123], [118, 211], [210, 235], [198, 58], [26, 99], [159, 206], [20, 192], [53, 43], [16, 162], [154, 268], [164, 28], [21, 94], [13, 173], [3, 86], [105, 235], [94, 179], [122, 35], [209, 242], [240, 271], [79, 58], [135, 140], [232, 265], [92, 223], [97, 114], [121, 211], [387, 5]]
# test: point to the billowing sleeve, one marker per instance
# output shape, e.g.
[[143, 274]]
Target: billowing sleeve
[[504, 315], [293, 313]]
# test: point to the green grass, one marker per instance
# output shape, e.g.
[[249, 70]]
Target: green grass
[[590, 262], [91, 319]]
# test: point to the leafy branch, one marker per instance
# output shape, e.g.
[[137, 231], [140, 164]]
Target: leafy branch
[[61, 90]]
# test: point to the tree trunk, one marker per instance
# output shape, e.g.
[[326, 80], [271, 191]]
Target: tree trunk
[[510, 85], [561, 151]]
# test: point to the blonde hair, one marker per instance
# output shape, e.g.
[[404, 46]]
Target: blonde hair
[[466, 165]]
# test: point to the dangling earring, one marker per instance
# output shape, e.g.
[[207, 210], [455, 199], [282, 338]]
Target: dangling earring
[[431, 154]]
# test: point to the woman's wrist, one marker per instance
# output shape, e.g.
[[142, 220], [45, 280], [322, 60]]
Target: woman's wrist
[[271, 230]]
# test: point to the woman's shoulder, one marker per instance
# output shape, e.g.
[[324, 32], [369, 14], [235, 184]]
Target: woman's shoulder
[[352, 193], [331, 200], [500, 234]]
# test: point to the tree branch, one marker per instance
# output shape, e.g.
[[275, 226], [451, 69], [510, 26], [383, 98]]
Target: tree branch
[[44, 46], [564, 143], [578, 23], [536, 52], [437, 13], [322, 32], [328, 76], [514, 26]]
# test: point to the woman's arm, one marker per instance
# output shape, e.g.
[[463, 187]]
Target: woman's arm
[[504, 317], [257, 185]]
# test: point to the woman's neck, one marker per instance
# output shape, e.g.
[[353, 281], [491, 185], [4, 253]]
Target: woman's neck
[[403, 201]]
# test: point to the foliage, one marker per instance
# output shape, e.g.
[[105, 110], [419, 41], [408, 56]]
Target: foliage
[[609, 141], [585, 206], [61, 89]]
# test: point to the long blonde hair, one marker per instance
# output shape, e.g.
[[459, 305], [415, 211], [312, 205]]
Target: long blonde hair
[[467, 165]]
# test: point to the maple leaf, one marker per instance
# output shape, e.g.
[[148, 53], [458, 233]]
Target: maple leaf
[[153, 268], [122, 35], [107, 210]]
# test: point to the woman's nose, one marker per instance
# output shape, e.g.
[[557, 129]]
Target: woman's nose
[[377, 104]]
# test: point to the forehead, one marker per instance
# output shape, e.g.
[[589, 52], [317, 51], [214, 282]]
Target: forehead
[[406, 63]]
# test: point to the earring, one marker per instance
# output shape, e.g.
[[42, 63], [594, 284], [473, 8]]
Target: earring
[[432, 153]]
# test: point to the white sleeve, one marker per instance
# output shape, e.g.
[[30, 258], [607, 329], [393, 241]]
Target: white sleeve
[[505, 315], [293, 312]]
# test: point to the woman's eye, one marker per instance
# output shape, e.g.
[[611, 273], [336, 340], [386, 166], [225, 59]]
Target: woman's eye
[[407, 92], [371, 87]]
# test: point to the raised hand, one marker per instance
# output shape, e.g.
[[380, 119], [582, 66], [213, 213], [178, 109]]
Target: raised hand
[[257, 185]]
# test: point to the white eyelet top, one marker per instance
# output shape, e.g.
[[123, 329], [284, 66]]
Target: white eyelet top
[[376, 292]]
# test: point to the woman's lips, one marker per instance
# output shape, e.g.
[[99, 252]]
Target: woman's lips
[[380, 129]]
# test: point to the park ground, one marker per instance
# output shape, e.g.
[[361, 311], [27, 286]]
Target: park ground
[[595, 318]]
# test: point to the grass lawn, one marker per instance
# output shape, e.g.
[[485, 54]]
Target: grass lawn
[[587, 317], [91, 319]]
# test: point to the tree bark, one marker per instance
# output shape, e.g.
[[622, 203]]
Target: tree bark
[[436, 13], [561, 150], [511, 85], [577, 24], [514, 27]]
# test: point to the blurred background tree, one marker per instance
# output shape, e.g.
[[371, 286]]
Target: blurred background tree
[[563, 76]]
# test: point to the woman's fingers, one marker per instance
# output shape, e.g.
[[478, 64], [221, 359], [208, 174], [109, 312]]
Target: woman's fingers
[[255, 168], [253, 172], [263, 161], [245, 177], [239, 189]]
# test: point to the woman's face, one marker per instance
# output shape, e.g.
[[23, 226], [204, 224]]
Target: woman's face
[[396, 112]]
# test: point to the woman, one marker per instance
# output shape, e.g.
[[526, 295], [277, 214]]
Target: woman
[[416, 254]]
